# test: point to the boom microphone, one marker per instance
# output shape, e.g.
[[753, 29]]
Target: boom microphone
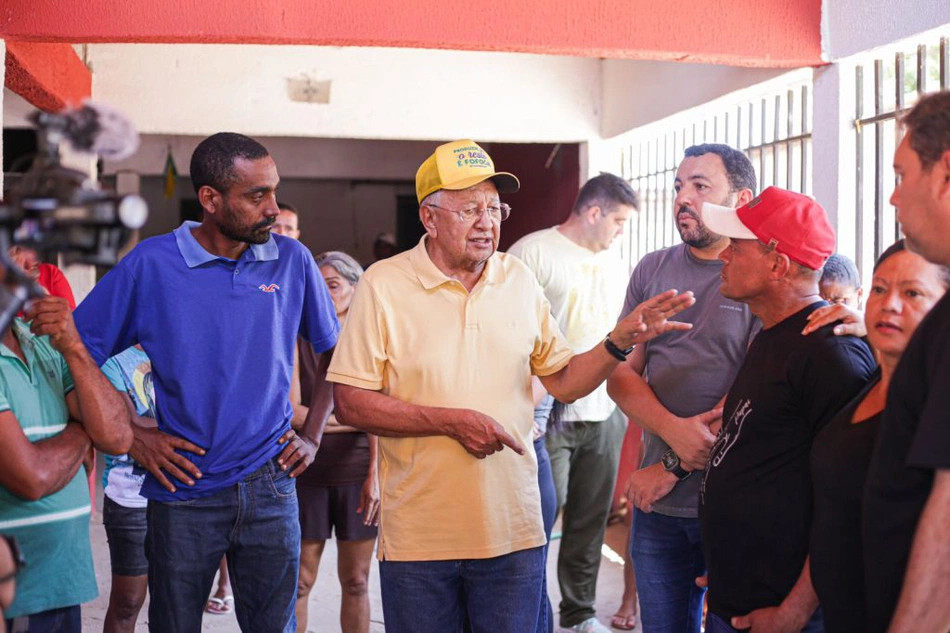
[[94, 128], [60, 211]]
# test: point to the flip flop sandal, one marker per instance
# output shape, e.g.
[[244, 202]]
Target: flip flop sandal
[[624, 622], [219, 606]]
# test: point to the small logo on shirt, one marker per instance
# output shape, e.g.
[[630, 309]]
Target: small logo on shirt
[[270, 288]]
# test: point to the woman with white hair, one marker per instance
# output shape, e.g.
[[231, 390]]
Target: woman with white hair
[[338, 493]]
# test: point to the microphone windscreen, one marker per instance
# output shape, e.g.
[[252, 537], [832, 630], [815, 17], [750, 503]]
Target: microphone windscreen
[[100, 129]]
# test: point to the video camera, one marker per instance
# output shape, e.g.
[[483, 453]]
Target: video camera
[[56, 210]]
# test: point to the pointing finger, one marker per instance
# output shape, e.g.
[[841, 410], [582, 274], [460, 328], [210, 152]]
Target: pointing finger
[[511, 442]]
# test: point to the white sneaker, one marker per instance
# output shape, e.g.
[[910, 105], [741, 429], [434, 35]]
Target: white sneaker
[[590, 625]]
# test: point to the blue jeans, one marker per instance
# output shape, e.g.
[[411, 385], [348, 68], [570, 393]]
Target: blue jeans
[[668, 556], [496, 595], [255, 523], [546, 484], [548, 516], [63, 620], [715, 624]]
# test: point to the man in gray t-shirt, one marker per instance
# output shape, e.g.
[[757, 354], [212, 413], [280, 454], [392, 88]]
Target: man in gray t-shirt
[[672, 388]]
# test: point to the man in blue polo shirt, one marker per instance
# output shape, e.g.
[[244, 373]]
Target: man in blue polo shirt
[[217, 307]]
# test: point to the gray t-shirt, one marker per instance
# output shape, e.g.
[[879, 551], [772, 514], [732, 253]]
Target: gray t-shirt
[[689, 371]]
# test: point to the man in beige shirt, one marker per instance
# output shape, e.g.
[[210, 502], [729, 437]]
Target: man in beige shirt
[[436, 358]]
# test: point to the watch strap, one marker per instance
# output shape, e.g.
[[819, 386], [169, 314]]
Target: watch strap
[[616, 352]]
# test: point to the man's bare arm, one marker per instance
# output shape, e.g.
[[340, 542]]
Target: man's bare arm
[[386, 416], [301, 448], [321, 403], [791, 616], [585, 372], [35, 470], [923, 607], [690, 438], [93, 401]]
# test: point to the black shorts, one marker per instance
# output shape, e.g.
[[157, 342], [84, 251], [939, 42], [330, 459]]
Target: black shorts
[[327, 509], [125, 530]]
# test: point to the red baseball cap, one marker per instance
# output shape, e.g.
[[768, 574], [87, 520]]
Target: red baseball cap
[[792, 223]]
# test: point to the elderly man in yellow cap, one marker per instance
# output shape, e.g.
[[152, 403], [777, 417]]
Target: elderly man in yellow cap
[[436, 359]]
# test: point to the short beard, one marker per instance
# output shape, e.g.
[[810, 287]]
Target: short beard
[[249, 235], [700, 237]]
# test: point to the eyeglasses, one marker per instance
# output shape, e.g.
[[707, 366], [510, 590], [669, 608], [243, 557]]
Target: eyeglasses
[[498, 213], [18, 561]]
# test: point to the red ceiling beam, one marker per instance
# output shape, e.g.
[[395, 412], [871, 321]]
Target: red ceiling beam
[[760, 33], [50, 76]]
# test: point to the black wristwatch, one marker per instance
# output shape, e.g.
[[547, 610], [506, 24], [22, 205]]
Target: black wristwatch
[[671, 464], [616, 352]]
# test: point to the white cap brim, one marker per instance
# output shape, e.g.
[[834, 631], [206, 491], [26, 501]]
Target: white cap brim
[[725, 221]]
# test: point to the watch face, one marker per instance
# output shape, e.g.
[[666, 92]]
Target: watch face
[[670, 460]]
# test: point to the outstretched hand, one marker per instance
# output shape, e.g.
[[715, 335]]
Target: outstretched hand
[[650, 319], [851, 320]]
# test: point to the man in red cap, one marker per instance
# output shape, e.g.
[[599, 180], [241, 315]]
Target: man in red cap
[[755, 498]]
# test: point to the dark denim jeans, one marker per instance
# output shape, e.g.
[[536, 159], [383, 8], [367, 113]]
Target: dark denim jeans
[[63, 620], [667, 557], [548, 515], [255, 523], [494, 595], [715, 624]]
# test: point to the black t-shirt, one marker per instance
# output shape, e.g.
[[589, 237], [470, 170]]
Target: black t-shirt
[[756, 497], [840, 457], [913, 443]]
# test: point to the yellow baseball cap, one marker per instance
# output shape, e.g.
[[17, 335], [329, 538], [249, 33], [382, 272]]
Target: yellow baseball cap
[[460, 165]]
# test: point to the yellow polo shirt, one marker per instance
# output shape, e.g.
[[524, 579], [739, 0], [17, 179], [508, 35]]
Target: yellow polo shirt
[[417, 335]]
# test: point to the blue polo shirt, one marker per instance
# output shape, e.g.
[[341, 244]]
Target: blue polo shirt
[[220, 334]]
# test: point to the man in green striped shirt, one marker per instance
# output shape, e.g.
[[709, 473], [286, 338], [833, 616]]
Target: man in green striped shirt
[[54, 404]]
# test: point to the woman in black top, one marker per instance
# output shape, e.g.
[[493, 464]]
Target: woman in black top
[[904, 288]]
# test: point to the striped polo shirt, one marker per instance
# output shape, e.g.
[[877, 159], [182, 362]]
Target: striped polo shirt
[[53, 532]]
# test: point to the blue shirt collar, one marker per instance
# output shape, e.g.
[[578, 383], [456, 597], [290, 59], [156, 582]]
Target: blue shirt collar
[[195, 254]]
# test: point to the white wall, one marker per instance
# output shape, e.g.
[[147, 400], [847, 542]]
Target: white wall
[[637, 93], [854, 26], [375, 93], [15, 109], [334, 214], [295, 157], [667, 114]]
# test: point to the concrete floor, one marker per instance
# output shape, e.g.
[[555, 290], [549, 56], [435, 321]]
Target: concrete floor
[[325, 599]]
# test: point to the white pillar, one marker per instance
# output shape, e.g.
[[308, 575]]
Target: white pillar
[[833, 150], [81, 277]]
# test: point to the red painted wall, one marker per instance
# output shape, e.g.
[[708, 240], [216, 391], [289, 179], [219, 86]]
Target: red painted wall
[[547, 193], [50, 76], [763, 33]]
